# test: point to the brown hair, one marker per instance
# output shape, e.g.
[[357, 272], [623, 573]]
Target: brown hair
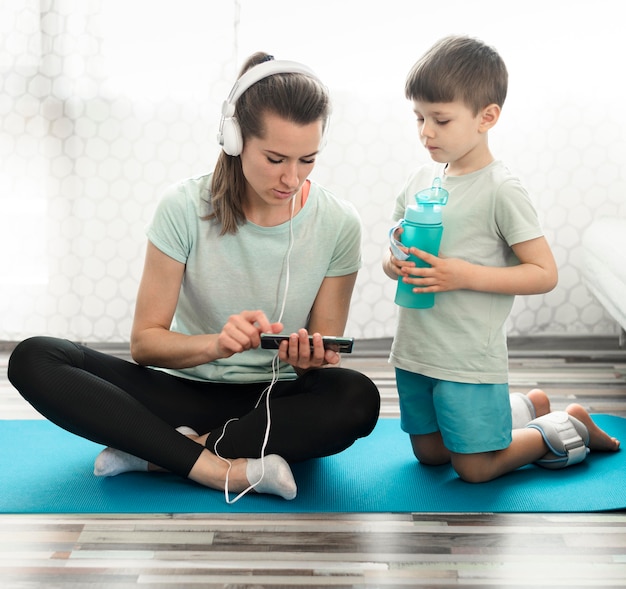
[[459, 68], [298, 98]]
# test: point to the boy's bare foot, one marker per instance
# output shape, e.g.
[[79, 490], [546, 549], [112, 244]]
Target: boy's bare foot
[[598, 439], [540, 401]]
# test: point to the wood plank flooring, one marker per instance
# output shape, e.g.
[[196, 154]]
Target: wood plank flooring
[[342, 550]]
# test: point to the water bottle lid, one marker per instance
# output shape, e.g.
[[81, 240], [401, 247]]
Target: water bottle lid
[[429, 214], [433, 195], [428, 203]]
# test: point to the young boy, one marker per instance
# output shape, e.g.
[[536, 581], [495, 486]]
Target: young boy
[[451, 360]]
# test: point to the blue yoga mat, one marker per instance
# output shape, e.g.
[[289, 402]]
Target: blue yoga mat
[[44, 469]]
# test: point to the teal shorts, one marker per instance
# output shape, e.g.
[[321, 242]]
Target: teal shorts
[[472, 418]]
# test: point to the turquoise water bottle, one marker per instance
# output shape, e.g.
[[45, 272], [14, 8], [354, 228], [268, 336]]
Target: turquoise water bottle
[[422, 228]]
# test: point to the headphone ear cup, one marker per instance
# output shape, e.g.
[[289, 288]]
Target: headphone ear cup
[[229, 135], [232, 141]]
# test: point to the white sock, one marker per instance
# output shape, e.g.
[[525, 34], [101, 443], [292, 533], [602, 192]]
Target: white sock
[[187, 431], [271, 475], [111, 462]]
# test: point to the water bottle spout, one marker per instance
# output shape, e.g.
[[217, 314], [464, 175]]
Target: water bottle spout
[[435, 195]]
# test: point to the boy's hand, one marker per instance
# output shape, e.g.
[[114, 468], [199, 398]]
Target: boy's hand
[[392, 263], [445, 274], [394, 267]]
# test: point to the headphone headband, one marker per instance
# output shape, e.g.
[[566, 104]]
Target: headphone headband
[[258, 72], [229, 136]]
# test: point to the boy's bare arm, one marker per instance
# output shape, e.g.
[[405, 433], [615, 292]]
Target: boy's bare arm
[[535, 274]]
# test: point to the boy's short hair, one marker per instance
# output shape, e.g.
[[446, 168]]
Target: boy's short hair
[[459, 68]]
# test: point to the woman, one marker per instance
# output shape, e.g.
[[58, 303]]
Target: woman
[[253, 247]]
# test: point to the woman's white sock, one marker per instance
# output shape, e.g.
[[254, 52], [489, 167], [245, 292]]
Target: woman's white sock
[[271, 474], [111, 462]]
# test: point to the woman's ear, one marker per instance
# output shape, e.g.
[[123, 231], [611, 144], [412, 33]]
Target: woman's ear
[[489, 117]]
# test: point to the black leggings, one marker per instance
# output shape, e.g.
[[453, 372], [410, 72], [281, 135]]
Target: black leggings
[[136, 409]]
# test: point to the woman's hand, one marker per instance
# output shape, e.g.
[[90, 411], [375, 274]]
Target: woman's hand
[[243, 332], [297, 351]]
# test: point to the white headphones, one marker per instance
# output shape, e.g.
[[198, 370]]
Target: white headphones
[[229, 134]]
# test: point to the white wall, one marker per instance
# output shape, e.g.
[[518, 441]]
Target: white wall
[[102, 104]]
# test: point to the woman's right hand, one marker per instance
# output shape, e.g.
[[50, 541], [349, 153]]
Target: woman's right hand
[[242, 332]]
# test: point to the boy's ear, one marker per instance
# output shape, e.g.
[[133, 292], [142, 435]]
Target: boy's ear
[[489, 117]]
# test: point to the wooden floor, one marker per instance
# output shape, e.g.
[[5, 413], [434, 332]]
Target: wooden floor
[[354, 550]]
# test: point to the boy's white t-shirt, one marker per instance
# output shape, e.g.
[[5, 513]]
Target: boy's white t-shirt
[[227, 274], [463, 337]]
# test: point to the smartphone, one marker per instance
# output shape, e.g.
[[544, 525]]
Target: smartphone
[[343, 345]]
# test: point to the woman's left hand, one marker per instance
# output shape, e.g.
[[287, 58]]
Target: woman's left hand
[[298, 352]]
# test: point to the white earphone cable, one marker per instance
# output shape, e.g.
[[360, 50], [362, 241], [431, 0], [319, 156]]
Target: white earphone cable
[[268, 389]]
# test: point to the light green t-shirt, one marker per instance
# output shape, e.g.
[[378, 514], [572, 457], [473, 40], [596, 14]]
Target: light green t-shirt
[[463, 337], [227, 274]]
